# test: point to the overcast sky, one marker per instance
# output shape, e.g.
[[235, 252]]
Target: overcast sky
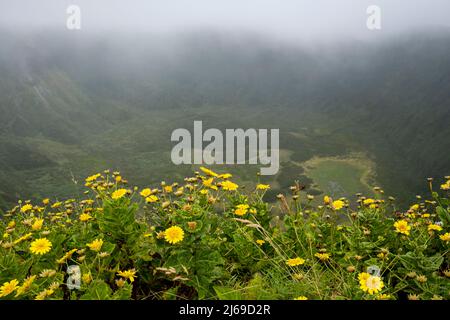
[[282, 18]]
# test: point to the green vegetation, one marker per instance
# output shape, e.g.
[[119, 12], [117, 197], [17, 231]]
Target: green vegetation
[[79, 107], [206, 239]]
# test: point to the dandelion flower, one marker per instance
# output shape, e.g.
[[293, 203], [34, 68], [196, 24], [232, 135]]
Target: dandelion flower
[[40, 246], [434, 227], [56, 205], [322, 256], [66, 256], [25, 286], [103, 254], [86, 278], [93, 177], [402, 226], [146, 192], [85, 217], [47, 273], [229, 186], [368, 201], [23, 238], [422, 278], [174, 234], [241, 209], [45, 201], [446, 186], [295, 262], [37, 225], [95, 245], [208, 172], [260, 242], [118, 194], [338, 204], [151, 199], [8, 287], [128, 274], [26, 208], [301, 298], [209, 183], [445, 237], [262, 187], [370, 284]]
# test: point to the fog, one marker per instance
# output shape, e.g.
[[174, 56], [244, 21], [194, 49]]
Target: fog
[[287, 19]]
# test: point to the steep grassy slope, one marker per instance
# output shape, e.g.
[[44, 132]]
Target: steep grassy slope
[[70, 106]]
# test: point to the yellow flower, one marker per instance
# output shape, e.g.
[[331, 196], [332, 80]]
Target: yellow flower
[[174, 234], [128, 274], [445, 237], [56, 205], [146, 192], [209, 183], [151, 199], [118, 194], [208, 172], [118, 178], [86, 278], [66, 256], [370, 284], [8, 287], [46, 201], [414, 207], [327, 200], [241, 209], [93, 177], [402, 226], [262, 186], [229, 186], [368, 201], [295, 262], [40, 246], [204, 191], [260, 242], [23, 238], [301, 298], [322, 256], [85, 217], [26, 208], [25, 286], [225, 176], [37, 225], [47, 273], [446, 186], [95, 245], [338, 204], [384, 297], [434, 227], [160, 235], [168, 189]]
